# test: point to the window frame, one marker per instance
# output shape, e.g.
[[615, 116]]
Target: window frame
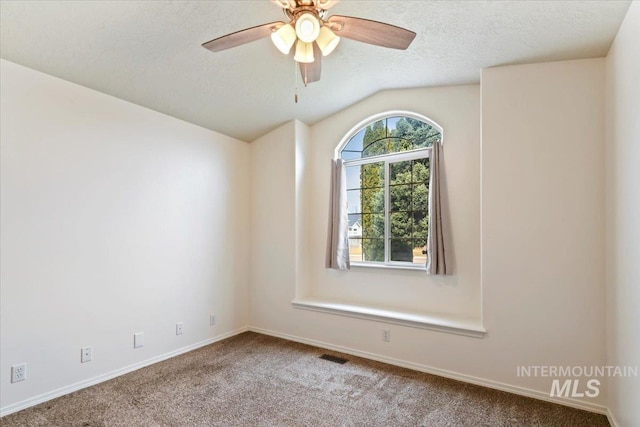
[[388, 158], [381, 116]]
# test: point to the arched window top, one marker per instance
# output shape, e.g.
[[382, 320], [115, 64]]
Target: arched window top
[[389, 133]]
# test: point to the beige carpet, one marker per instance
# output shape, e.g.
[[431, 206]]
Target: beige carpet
[[257, 380]]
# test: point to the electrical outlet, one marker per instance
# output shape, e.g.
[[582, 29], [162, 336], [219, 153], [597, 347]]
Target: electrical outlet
[[138, 340], [386, 335], [85, 354], [212, 319], [18, 372], [179, 328]]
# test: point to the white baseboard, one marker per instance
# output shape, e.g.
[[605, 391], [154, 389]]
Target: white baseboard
[[15, 407], [611, 418], [522, 391]]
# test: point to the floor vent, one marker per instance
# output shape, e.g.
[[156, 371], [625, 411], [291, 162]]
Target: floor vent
[[335, 359]]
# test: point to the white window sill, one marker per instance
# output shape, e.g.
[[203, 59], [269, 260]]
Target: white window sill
[[413, 267], [442, 323]]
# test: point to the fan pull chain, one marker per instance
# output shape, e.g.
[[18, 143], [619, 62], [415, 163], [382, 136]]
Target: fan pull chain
[[295, 80]]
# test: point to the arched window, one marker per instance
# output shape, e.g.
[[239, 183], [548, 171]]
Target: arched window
[[386, 160]]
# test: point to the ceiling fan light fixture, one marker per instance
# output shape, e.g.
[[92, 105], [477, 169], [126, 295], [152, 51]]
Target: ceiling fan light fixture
[[327, 41], [326, 4], [317, 34], [304, 52], [307, 27], [283, 38], [285, 4]]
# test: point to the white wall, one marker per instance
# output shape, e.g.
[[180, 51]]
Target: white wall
[[543, 215], [623, 215], [115, 219], [273, 225], [542, 232], [303, 162]]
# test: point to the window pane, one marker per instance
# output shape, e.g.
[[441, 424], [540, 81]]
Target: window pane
[[373, 250], [401, 250], [354, 201], [420, 243], [355, 226], [353, 177], [397, 145], [375, 148], [373, 200], [355, 250], [372, 174], [401, 225], [400, 197], [355, 143], [421, 171], [350, 155], [373, 226], [420, 224], [403, 129], [374, 140], [365, 188], [408, 250], [391, 124], [425, 136], [419, 251], [400, 173], [420, 197]]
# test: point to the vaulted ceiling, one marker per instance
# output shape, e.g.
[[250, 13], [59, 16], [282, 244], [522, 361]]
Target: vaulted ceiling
[[149, 52]]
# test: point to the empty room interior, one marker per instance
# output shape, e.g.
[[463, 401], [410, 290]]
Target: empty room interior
[[320, 213]]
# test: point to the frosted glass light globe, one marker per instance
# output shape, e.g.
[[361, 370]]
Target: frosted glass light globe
[[307, 27]]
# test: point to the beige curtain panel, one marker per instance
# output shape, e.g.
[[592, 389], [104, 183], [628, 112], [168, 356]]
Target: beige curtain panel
[[436, 259], [338, 232]]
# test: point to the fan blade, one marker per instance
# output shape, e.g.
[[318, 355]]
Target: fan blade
[[241, 37], [311, 72], [372, 32]]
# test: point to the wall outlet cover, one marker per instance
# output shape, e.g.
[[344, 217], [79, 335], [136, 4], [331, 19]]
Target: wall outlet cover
[[18, 372], [86, 354], [138, 340]]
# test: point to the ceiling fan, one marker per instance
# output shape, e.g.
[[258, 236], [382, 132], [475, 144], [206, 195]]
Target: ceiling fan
[[315, 34]]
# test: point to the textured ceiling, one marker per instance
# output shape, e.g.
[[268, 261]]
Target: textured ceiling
[[149, 53]]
